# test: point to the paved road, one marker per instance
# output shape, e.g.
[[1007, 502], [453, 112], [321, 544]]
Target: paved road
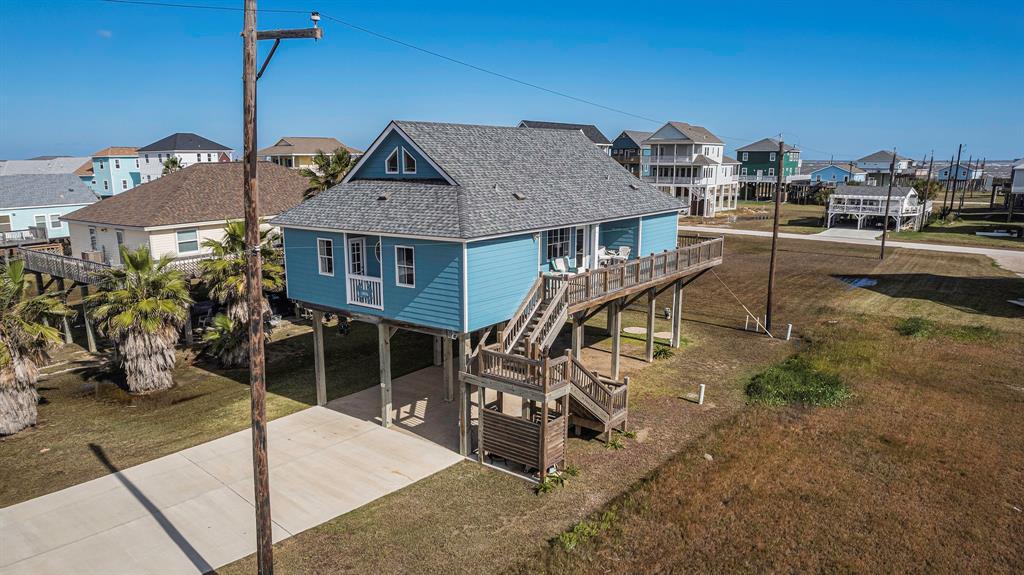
[[1012, 260], [192, 511]]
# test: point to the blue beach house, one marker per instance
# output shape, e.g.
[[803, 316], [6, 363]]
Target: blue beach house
[[32, 206], [486, 234]]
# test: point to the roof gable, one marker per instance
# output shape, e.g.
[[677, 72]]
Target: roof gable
[[373, 163], [631, 139], [683, 132], [303, 145], [766, 145]]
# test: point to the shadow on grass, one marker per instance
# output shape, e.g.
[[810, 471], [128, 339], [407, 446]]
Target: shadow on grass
[[976, 295]]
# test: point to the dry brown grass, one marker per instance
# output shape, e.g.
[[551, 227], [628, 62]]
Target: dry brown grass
[[789, 490]]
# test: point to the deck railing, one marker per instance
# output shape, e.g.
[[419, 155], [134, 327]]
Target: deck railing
[[609, 396], [552, 319], [601, 282], [28, 234], [515, 327], [542, 375], [56, 265], [366, 291]]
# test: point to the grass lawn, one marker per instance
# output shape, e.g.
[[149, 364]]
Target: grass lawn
[[207, 403], [752, 215], [921, 467], [962, 232]]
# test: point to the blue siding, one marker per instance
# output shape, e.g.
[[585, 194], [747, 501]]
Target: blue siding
[[834, 174], [500, 271], [659, 233], [374, 167], [621, 233], [24, 218], [303, 278], [545, 263], [436, 301]]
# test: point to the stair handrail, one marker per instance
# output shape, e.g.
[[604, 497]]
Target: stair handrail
[[545, 329], [592, 386], [516, 325]]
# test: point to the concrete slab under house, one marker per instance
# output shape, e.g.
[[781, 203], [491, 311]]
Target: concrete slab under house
[[491, 239]]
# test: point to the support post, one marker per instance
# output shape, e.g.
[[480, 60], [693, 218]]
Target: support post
[[615, 312], [437, 349], [480, 422], [384, 350], [649, 347], [448, 367], [577, 333], [189, 336], [677, 314], [90, 337], [39, 291], [318, 357], [65, 323], [464, 415]]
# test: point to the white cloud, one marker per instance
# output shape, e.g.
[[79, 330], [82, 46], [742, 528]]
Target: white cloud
[[105, 33]]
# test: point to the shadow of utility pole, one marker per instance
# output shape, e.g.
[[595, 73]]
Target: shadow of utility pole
[[169, 528]]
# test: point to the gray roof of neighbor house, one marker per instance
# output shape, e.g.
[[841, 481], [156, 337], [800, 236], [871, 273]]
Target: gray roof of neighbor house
[[183, 141], [766, 145], [305, 146], [589, 130], [199, 193], [881, 156], [507, 180], [844, 167], [55, 165], [636, 136], [872, 191], [27, 190], [698, 134]]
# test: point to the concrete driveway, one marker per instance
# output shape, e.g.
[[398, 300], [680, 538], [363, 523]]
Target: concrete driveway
[[192, 511]]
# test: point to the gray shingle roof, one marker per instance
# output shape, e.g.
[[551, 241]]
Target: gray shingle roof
[[872, 191], [881, 156], [637, 136], [563, 178], [766, 145], [56, 165], [24, 190], [183, 141], [589, 130]]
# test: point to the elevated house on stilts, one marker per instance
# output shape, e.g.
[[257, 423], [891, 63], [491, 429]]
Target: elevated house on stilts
[[493, 239]]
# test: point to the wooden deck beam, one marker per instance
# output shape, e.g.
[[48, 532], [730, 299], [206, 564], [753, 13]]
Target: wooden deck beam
[[615, 310], [384, 350], [649, 344], [318, 358]]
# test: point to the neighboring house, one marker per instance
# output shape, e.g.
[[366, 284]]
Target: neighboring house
[[114, 170], [589, 130], [964, 173], [877, 166], [174, 214], [865, 205], [189, 148], [838, 174], [32, 206], [628, 149], [298, 152], [689, 162], [51, 165], [494, 237], [759, 162], [1016, 198]]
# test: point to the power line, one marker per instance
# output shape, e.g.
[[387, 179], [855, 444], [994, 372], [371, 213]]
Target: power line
[[429, 52]]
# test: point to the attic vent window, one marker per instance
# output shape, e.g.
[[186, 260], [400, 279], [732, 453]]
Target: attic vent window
[[634, 186], [391, 165], [519, 195], [384, 196]]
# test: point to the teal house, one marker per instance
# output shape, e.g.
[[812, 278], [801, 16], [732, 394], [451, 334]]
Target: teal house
[[32, 206], [115, 170], [494, 237]]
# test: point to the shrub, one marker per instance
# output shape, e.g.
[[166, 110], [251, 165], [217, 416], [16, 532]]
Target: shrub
[[973, 333], [663, 352], [915, 326], [584, 530], [796, 381]]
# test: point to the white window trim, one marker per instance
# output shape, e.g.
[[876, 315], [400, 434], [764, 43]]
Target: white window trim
[[387, 163], [407, 155], [46, 221], [124, 185], [398, 280], [56, 218], [177, 242], [362, 254], [319, 257]]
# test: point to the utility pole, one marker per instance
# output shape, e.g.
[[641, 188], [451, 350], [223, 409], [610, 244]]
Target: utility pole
[[956, 177], [888, 201], [775, 241], [966, 186], [945, 195], [254, 272], [928, 190]]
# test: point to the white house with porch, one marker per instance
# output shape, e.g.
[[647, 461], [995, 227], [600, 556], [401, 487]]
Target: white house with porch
[[865, 205]]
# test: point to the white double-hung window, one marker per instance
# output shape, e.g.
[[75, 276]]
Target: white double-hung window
[[405, 266], [188, 241], [558, 242], [325, 256]]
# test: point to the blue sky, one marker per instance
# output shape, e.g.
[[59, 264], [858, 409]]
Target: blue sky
[[833, 77]]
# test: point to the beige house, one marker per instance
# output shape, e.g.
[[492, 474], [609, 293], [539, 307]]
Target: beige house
[[176, 213], [297, 152]]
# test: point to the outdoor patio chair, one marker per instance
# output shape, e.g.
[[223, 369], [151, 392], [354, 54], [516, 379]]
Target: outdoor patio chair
[[624, 252]]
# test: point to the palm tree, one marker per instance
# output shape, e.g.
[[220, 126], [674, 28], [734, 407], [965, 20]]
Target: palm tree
[[228, 340], [224, 275], [330, 169], [171, 164], [141, 306], [23, 344]]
